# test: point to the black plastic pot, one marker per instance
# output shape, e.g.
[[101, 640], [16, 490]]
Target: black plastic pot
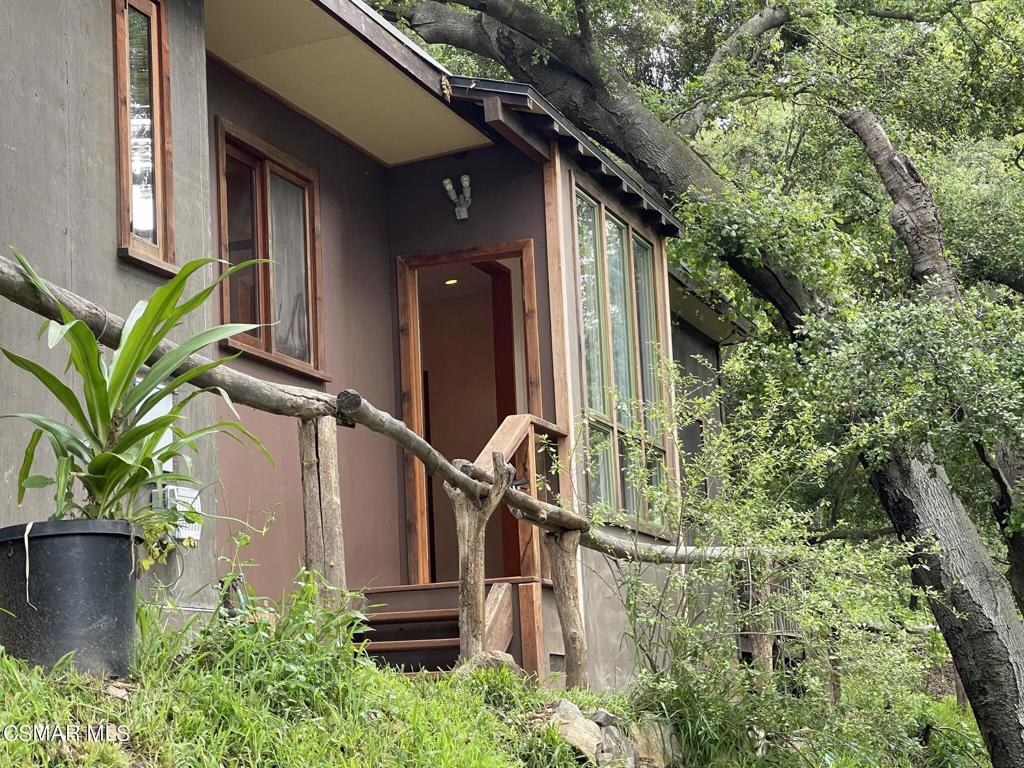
[[80, 594]]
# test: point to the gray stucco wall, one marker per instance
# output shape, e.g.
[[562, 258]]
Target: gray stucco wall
[[58, 203]]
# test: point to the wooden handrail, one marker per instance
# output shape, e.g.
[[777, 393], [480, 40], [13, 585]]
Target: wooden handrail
[[565, 530], [506, 438], [511, 433]]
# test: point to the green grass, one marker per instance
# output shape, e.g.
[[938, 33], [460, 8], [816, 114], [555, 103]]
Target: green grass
[[293, 692]]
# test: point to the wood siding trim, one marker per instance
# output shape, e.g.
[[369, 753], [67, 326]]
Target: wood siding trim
[[157, 258]]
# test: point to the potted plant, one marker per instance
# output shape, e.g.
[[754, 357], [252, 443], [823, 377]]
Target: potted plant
[[68, 584]]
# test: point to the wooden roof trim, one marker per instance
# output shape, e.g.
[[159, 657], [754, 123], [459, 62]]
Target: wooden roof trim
[[538, 116], [508, 124], [377, 32]]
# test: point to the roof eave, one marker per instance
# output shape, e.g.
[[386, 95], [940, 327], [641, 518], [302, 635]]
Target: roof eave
[[595, 160]]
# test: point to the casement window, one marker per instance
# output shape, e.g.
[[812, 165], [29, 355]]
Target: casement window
[[145, 204], [619, 317], [269, 210]]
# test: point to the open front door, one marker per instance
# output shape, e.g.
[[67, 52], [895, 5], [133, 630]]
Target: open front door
[[470, 358]]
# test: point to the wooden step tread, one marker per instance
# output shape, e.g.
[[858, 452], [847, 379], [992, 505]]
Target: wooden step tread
[[411, 617], [391, 646], [453, 585]]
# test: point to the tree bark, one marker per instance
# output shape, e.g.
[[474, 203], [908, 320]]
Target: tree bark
[[321, 499], [914, 216], [970, 599], [563, 550], [471, 515], [759, 631]]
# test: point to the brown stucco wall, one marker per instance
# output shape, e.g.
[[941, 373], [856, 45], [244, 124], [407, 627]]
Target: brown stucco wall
[[58, 204], [359, 329], [508, 204]]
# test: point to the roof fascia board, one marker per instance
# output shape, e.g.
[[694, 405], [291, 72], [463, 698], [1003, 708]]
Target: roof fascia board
[[594, 159]]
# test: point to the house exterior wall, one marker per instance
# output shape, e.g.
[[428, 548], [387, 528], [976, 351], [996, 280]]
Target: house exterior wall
[[508, 204], [58, 205], [360, 334]]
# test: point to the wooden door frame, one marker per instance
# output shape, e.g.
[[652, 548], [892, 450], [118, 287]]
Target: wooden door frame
[[417, 537]]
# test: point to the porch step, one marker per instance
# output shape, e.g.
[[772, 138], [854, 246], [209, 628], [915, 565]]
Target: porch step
[[412, 617], [415, 640], [394, 646], [415, 627], [427, 655]]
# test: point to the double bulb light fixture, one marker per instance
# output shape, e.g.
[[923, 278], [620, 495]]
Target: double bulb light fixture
[[462, 201]]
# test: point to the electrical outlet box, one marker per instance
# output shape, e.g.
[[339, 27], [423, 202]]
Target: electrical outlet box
[[184, 498]]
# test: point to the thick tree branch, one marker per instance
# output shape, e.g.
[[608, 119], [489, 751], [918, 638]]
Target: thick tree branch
[[437, 23], [914, 217], [762, 22]]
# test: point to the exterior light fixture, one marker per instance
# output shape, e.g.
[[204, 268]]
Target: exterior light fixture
[[462, 201], [452, 281]]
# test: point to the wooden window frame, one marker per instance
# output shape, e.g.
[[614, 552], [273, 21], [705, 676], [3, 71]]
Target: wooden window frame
[[158, 258], [265, 158], [610, 421]]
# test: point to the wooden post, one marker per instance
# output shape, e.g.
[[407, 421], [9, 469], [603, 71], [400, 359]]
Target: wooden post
[[471, 515], [563, 549], [321, 498], [760, 629], [498, 618]]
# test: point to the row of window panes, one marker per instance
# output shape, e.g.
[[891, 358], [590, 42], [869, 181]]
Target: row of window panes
[[618, 309]]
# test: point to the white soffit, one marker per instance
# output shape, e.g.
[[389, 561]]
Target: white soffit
[[297, 51]]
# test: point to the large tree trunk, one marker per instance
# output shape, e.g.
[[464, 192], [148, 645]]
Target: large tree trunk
[[973, 607], [971, 601]]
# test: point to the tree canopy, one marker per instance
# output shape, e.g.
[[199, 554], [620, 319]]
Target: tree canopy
[[851, 175]]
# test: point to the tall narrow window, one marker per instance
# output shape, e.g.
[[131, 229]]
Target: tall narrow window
[[620, 310], [269, 211], [289, 252], [647, 318], [619, 317], [591, 300], [143, 134], [240, 187]]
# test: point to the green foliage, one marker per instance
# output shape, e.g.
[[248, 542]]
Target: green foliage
[[284, 686], [853, 647], [113, 450]]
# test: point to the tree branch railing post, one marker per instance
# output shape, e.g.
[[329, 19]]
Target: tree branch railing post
[[321, 499], [471, 515], [563, 551]]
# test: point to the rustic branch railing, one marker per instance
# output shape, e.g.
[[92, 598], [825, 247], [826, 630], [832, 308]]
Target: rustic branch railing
[[477, 491]]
